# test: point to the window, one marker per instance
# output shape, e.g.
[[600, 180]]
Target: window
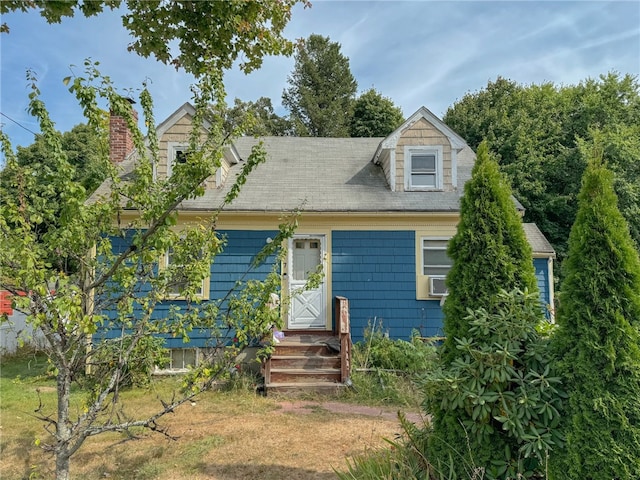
[[307, 255], [177, 154], [435, 261], [435, 265], [179, 360], [179, 284], [423, 168], [182, 358]]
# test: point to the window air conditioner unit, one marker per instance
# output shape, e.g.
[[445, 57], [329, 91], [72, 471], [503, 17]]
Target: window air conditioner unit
[[437, 287]]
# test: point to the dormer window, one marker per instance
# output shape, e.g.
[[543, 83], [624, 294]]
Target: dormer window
[[177, 154], [423, 168]]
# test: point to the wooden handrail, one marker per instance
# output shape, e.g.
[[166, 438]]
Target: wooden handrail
[[343, 330]]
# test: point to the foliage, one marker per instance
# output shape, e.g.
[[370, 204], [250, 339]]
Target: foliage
[[501, 389], [377, 350], [322, 89], [490, 252], [29, 179], [535, 133], [257, 118], [490, 255], [146, 354], [118, 243], [210, 36], [384, 370], [374, 115], [598, 342], [83, 148]]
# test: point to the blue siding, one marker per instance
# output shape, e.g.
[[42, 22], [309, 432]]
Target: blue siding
[[376, 271], [542, 275], [231, 265]]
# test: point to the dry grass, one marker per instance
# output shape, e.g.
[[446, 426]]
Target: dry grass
[[234, 435]]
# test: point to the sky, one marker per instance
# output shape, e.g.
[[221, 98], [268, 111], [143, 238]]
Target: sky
[[417, 53]]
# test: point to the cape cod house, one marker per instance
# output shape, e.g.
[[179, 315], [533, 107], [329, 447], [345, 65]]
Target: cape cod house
[[376, 214]]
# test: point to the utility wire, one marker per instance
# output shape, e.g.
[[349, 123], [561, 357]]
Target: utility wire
[[18, 123]]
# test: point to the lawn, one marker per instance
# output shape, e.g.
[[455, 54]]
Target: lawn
[[223, 435]]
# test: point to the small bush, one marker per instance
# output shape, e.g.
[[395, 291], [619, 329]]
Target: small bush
[[384, 369], [379, 351]]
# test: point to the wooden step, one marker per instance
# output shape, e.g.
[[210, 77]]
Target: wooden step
[[302, 375], [304, 362]]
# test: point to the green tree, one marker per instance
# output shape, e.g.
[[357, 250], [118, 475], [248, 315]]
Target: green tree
[[34, 171], [489, 250], [120, 284], [534, 131], [258, 118], [83, 147], [210, 36], [492, 351], [598, 342], [322, 89], [374, 115]]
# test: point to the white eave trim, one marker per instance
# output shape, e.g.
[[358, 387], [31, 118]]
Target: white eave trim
[[231, 155], [391, 141], [185, 109]]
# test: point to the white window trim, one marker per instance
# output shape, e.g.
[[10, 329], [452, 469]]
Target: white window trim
[[409, 150], [170, 370], [423, 291], [422, 248], [172, 148], [204, 288]]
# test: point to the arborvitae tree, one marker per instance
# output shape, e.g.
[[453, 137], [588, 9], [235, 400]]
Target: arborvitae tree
[[597, 343], [374, 115], [489, 251], [320, 98], [487, 398]]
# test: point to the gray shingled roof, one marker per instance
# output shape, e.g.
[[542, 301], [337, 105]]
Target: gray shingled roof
[[325, 175], [537, 240]]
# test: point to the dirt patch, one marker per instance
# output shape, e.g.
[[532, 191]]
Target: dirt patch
[[221, 437], [307, 407]]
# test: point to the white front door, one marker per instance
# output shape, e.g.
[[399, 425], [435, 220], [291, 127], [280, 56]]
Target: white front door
[[308, 307]]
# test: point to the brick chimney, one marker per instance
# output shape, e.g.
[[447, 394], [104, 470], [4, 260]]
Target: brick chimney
[[120, 138]]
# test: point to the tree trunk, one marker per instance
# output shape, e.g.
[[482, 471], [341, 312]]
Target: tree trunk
[[63, 432], [62, 466]]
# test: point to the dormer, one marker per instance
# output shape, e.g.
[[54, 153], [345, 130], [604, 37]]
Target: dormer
[[173, 142], [420, 155]]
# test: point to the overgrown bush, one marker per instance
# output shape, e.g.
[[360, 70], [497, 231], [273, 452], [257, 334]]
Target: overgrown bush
[[384, 370], [379, 351], [501, 391]]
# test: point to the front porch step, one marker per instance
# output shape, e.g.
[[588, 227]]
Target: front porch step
[[322, 388], [304, 362], [303, 375]]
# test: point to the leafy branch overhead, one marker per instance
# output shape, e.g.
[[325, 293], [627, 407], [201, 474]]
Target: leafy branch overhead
[[210, 36]]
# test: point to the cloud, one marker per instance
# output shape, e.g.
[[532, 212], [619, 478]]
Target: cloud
[[416, 53]]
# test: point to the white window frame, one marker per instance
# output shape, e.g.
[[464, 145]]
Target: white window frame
[[424, 248], [409, 151], [172, 149], [204, 290], [171, 369]]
